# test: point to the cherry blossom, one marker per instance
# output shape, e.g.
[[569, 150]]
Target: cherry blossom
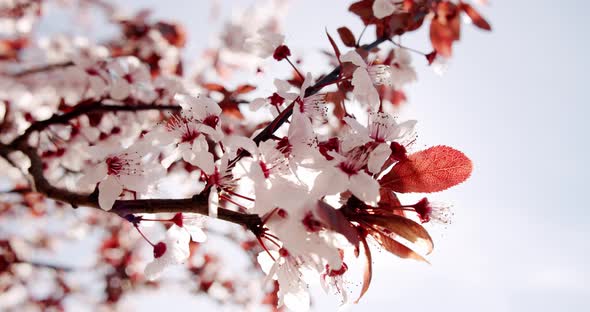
[[264, 43], [189, 130], [436, 212], [130, 78], [268, 170], [119, 172], [347, 173], [366, 77], [293, 290], [402, 71], [173, 250], [382, 129]]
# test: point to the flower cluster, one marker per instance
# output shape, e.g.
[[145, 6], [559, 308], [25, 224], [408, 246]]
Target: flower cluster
[[116, 126]]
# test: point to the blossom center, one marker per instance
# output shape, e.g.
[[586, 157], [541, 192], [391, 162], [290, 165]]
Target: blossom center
[[114, 165]]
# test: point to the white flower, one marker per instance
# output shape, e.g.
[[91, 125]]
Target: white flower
[[130, 78], [189, 131], [205, 111], [302, 148], [193, 224], [347, 172], [293, 290], [126, 171], [366, 77], [168, 86], [402, 72], [175, 251], [301, 233], [382, 129], [383, 8], [263, 43], [314, 106], [268, 169]]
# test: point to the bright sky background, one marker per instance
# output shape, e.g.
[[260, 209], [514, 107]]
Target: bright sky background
[[513, 101]]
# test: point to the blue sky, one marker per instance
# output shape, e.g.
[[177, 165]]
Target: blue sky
[[513, 101]]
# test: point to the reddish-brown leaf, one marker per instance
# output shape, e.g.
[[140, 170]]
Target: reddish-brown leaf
[[214, 87], [334, 46], [406, 228], [364, 9], [368, 274], [445, 28], [433, 170], [334, 220], [396, 247], [388, 200], [398, 97], [337, 97], [475, 17], [347, 37], [244, 89]]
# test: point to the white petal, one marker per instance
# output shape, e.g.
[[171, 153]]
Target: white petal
[[383, 8], [361, 80], [306, 83], [356, 126], [213, 202], [329, 182], [94, 175], [154, 269], [108, 192], [174, 156], [204, 160], [354, 58], [364, 187], [256, 104], [204, 107], [266, 262], [120, 89], [234, 142], [378, 157]]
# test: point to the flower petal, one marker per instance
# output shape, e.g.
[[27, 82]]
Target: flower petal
[[378, 157], [365, 187], [108, 192], [354, 58]]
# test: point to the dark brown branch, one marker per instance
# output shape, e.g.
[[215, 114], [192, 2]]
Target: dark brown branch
[[40, 69], [84, 109], [197, 204]]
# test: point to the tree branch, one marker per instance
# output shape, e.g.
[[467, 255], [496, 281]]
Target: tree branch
[[84, 109], [40, 69], [196, 204]]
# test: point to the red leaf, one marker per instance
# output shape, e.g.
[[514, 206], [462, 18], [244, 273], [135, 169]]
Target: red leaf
[[368, 274], [445, 28], [396, 247], [334, 220], [214, 87], [433, 170], [364, 9], [347, 37], [244, 89], [401, 226], [475, 17], [398, 97], [430, 57], [334, 46]]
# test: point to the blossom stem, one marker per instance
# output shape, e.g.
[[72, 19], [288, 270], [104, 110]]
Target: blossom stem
[[295, 68], [143, 235]]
